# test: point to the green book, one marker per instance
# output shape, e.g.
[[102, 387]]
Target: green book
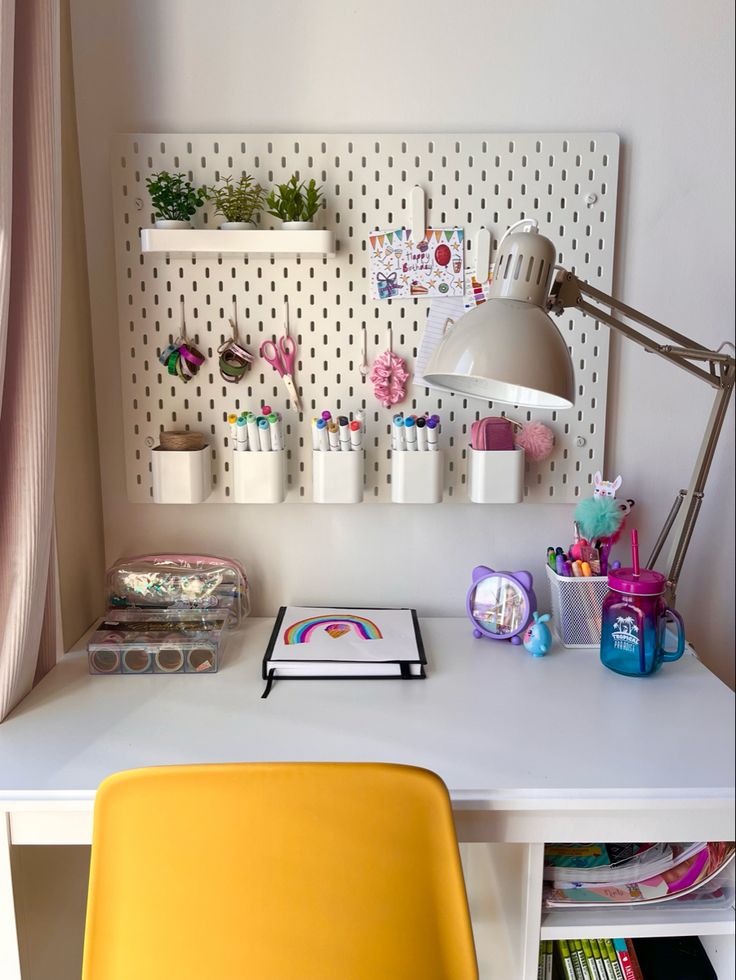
[[540, 964], [548, 965], [565, 959], [616, 973], [598, 960], [589, 959], [578, 959]]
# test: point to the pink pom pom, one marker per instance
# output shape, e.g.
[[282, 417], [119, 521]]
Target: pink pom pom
[[389, 377], [536, 439]]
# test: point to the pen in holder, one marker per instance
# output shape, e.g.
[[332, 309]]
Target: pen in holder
[[259, 457], [181, 468], [338, 460], [417, 464], [496, 465]]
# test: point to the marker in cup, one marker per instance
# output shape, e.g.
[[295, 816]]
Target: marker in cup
[[277, 440], [344, 432], [398, 441], [253, 438], [323, 440], [356, 435], [333, 436], [410, 433], [241, 435], [421, 428], [432, 429], [264, 435]]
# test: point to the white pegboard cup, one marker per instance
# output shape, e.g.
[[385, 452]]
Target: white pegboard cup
[[259, 478], [496, 476], [181, 477], [337, 478], [576, 608], [417, 477]]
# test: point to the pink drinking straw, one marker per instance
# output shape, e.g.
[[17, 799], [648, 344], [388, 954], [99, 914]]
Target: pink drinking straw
[[635, 550]]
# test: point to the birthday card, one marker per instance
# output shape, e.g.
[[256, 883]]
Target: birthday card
[[402, 268]]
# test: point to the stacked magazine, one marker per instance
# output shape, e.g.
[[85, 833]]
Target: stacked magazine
[[594, 874]]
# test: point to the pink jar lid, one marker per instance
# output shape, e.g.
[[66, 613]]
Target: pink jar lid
[[647, 582]]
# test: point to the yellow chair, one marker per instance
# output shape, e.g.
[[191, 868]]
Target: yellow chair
[[276, 872]]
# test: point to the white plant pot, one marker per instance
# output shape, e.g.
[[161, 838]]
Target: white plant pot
[[297, 225], [496, 476], [417, 477], [337, 477], [238, 226], [259, 478], [171, 223]]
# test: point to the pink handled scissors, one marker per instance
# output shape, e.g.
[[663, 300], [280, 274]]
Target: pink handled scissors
[[281, 355]]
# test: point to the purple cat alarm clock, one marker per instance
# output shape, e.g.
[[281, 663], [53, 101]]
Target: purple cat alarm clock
[[500, 604]]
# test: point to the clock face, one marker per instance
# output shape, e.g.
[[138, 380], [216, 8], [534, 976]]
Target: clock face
[[499, 605]]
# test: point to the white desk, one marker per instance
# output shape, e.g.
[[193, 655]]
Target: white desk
[[532, 750]]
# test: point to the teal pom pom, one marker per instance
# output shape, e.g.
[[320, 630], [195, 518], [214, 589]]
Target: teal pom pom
[[598, 517]]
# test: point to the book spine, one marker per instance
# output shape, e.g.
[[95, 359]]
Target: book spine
[[634, 960], [599, 967], [589, 959], [540, 965], [548, 960], [616, 972], [624, 960], [578, 959], [566, 959]]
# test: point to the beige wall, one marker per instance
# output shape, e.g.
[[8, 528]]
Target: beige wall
[[78, 498]]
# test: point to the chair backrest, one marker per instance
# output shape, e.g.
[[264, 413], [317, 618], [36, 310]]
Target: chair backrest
[[276, 872]]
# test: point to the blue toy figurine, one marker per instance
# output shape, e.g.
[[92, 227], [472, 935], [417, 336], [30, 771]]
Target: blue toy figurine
[[538, 639]]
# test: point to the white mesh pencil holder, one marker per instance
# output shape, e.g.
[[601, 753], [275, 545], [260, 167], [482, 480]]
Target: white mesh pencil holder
[[576, 608]]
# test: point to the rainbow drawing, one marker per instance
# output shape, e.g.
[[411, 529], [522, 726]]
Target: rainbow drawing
[[335, 626]]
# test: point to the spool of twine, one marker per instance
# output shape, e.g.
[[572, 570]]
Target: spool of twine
[[182, 441]]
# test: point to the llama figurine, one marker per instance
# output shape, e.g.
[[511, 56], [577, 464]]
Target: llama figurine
[[537, 638], [605, 488]]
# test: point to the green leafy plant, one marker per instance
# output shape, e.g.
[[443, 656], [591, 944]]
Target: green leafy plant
[[295, 201], [241, 201], [173, 196]]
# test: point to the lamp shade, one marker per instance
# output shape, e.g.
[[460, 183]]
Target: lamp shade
[[508, 349]]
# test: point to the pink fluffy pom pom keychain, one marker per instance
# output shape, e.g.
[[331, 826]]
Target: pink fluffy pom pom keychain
[[389, 376], [535, 438]]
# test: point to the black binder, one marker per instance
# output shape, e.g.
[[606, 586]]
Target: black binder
[[411, 668]]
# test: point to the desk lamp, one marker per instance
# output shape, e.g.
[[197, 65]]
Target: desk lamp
[[508, 350]]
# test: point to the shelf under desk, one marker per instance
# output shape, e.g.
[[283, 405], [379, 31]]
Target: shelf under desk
[[532, 750]]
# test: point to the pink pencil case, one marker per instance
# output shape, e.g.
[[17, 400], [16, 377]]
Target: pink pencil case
[[492, 433]]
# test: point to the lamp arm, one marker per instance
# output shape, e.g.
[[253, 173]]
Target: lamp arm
[[569, 292]]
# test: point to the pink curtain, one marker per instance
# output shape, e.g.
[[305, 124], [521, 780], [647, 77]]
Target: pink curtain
[[30, 277]]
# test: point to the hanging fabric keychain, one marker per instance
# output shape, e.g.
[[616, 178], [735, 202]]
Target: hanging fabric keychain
[[234, 357], [181, 358], [389, 376]]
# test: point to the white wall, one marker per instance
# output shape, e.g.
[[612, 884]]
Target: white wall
[[658, 73]]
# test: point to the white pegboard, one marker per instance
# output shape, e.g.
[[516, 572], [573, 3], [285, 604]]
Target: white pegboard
[[471, 180]]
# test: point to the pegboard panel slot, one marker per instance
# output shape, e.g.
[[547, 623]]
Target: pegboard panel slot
[[471, 180]]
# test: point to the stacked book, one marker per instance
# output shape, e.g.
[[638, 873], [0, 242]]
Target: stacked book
[[679, 958]]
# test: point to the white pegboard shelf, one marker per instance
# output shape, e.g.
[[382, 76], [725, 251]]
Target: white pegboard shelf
[[276, 243], [568, 182]]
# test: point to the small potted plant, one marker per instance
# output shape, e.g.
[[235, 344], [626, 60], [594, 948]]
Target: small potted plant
[[239, 203], [175, 199], [295, 203]]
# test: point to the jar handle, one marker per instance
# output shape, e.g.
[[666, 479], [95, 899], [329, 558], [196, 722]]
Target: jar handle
[[674, 617]]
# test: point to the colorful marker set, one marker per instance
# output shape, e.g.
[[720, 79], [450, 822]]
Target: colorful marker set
[[338, 434], [589, 562], [262, 433], [415, 433]]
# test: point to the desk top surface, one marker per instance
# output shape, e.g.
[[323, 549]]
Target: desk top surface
[[494, 722]]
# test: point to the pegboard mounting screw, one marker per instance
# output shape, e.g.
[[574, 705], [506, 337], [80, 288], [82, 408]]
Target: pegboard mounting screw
[[590, 199], [139, 204], [580, 442], [150, 442]]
